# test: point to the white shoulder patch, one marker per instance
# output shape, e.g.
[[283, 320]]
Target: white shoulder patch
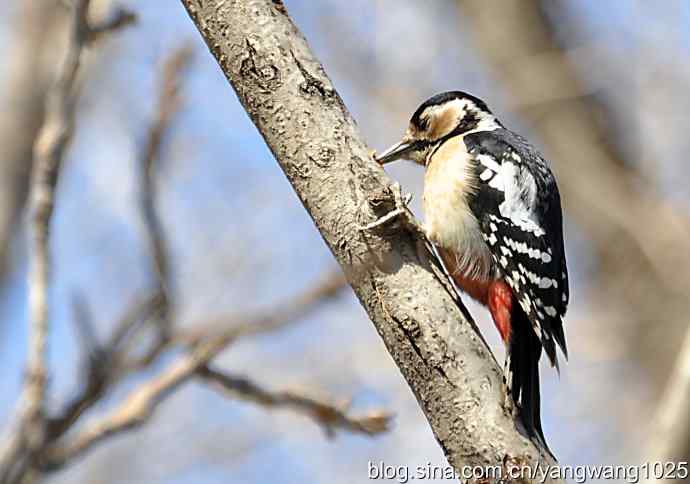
[[520, 191], [489, 162]]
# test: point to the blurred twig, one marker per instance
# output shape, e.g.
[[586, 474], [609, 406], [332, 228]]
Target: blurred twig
[[168, 103], [141, 404], [49, 148], [103, 368], [331, 417], [110, 364]]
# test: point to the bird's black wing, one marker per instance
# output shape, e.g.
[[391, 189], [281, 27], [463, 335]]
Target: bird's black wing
[[516, 201]]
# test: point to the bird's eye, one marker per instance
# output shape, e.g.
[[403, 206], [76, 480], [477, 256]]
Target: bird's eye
[[424, 123]]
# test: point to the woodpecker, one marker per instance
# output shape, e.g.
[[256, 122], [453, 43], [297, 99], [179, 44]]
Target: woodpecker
[[493, 211]]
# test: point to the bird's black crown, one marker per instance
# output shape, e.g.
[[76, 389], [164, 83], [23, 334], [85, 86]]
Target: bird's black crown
[[443, 98]]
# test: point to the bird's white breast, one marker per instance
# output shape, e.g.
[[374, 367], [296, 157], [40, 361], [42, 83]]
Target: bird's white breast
[[450, 224]]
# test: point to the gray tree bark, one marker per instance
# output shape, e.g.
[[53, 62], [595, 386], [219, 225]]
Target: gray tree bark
[[288, 96]]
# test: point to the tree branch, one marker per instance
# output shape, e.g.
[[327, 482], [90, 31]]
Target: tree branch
[[304, 122], [168, 103], [49, 148], [329, 416], [169, 100], [141, 404], [104, 371], [204, 343]]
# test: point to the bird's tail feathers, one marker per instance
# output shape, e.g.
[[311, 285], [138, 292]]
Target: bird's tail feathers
[[522, 374]]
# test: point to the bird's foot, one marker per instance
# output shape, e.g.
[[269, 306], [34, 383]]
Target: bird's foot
[[400, 212]]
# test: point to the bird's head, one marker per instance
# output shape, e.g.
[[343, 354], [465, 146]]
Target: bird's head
[[441, 117]]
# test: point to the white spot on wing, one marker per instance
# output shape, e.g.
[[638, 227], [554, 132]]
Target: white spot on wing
[[486, 174], [520, 191], [544, 283], [497, 183], [489, 162]]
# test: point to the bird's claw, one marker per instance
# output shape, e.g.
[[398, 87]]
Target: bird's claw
[[400, 211]]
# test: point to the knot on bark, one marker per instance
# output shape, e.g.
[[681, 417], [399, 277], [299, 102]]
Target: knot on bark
[[380, 202], [259, 70], [312, 85]]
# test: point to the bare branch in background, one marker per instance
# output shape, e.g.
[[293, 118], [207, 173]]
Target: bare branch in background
[[103, 369], [329, 416], [49, 148], [168, 103], [304, 122], [112, 365], [136, 315], [107, 364], [141, 404]]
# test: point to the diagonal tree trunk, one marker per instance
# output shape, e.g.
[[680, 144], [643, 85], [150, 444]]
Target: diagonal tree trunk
[[288, 96]]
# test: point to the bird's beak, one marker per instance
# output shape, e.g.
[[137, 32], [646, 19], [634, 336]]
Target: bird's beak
[[395, 152]]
